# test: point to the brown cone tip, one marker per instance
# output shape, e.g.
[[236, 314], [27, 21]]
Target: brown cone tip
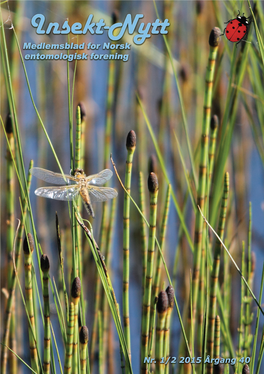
[[246, 369], [28, 245], [214, 37], [76, 288], [219, 369], [170, 293], [163, 302], [184, 73], [152, 164], [115, 16], [131, 140], [214, 122], [8, 124], [84, 335], [153, 184], [44, 263], [199, 6], [253, 261], [82, 108]]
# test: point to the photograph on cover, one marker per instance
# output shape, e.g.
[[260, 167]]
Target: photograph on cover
[[132, 187]]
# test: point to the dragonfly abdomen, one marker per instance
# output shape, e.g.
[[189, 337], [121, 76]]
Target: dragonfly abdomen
[[86, 200]]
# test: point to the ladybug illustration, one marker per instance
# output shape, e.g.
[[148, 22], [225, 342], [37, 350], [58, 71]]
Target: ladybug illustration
[[237, 28]]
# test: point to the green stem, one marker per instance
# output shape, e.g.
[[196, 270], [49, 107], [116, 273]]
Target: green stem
[[215, 273], [45, 268], [153, 189], [69, 345], [131, 146]]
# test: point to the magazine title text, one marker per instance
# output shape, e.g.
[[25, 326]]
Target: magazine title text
[[115, 32]]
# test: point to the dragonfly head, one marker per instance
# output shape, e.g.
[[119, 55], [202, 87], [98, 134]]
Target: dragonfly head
[[78, 172]]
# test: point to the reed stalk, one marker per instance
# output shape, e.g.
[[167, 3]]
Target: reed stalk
[[170, 293], [147, 300], [45, 266], [162, 307], [215, 273], [75, 296], [84, 338], [130, 146], [28, 248], [69, 344]]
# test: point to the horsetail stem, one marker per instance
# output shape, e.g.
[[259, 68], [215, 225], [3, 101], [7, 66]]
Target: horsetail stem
[[75, 294], [45, 266], [162, 241], [213, 135], [66, 300], [248, 319], [110, 104], [10, 301], [69, 344], [215, 272], [170, 293], [28, 248], [156, 284], [130, 146], [100, 350], [84, 338], [10, 194], [143, 229], [152, 326], [153, 190], [217, 337], [10, 232], [98, 290], [162, 307], [105, 306], [213, 42], [241, 329]]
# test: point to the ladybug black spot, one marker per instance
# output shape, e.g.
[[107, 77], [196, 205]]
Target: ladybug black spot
[[244, 31], [227, 31], [237, 38], [238, 30], [231, 22], [233, 27]]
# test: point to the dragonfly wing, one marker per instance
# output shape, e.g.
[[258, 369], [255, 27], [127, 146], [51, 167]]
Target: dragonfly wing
[[98, 194], [100, 178], [51, 177], [64, 193]]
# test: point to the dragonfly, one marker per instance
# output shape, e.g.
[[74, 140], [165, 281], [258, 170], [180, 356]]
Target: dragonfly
[[88, 187]]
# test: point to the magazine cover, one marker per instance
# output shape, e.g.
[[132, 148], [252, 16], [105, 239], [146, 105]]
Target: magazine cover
[[132, 187]]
